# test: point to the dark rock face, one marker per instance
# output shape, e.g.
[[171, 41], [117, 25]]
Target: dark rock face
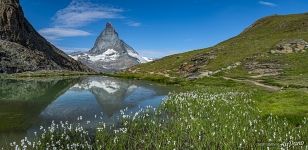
[[16, 58], [108, 39], [17, 35], [110, 53]]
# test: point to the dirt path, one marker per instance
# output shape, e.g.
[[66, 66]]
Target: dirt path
[[267, 87]]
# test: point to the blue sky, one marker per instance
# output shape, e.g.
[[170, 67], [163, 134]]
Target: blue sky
[[154, 28]]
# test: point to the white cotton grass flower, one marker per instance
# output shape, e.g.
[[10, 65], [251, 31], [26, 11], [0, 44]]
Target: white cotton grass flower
[[192, 119]]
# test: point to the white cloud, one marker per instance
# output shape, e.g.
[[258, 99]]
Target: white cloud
[[80, 13], [265, 3], [56, 33], [133, 24], [77, 14]]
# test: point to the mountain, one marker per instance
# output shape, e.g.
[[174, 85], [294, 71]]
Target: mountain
[[273, 49], [22, 48], [110, 53]]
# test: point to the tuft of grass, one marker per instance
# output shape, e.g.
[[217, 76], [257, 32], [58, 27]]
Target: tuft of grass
[[290, 103]]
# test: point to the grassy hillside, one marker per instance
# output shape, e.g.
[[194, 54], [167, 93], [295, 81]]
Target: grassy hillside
[[252, 45], [223, 111], [251, 52]]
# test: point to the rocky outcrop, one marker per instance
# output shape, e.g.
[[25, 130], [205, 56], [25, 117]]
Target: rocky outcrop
[[22, 45], [192, 67], [17, 58], [110, 53], [290, 46], [264, 69], [208, 73]]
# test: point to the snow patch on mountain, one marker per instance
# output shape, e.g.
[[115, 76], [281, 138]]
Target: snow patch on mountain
[[109, 55], [148, 59], [137, 56]]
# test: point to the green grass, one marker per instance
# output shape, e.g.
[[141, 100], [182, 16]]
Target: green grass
[[295, 72], [291, 103], [210, 118], [208, 113], [168, 65], [213, 113], [255, 41], [206, 118], [254, 44], [288, 81]]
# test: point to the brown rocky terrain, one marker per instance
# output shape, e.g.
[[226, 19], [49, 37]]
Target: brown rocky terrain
[[22, 48], [291, 46]]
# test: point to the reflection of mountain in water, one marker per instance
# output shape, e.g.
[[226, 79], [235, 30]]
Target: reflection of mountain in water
[[27, 104], [94, 95], [115, 94], [21, 101]]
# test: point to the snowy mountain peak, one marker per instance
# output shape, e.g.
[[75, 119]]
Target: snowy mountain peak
[[106, 40], [110, 53]]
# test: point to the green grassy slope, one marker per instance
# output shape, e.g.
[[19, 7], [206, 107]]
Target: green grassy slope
[[253, 44]]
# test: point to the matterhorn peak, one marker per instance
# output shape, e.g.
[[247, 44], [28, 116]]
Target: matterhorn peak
[[110, 53], [109, 25], [109, 30], [106, 40]]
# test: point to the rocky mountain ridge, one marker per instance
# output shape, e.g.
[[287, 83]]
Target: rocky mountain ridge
[[22, 48], [110, 53]]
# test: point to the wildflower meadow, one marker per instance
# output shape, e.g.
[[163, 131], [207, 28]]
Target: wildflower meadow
[[199, 119]]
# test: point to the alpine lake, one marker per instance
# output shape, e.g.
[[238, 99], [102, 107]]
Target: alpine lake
[[26, 105]]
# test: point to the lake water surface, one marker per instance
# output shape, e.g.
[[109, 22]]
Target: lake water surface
[[27, 104]]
